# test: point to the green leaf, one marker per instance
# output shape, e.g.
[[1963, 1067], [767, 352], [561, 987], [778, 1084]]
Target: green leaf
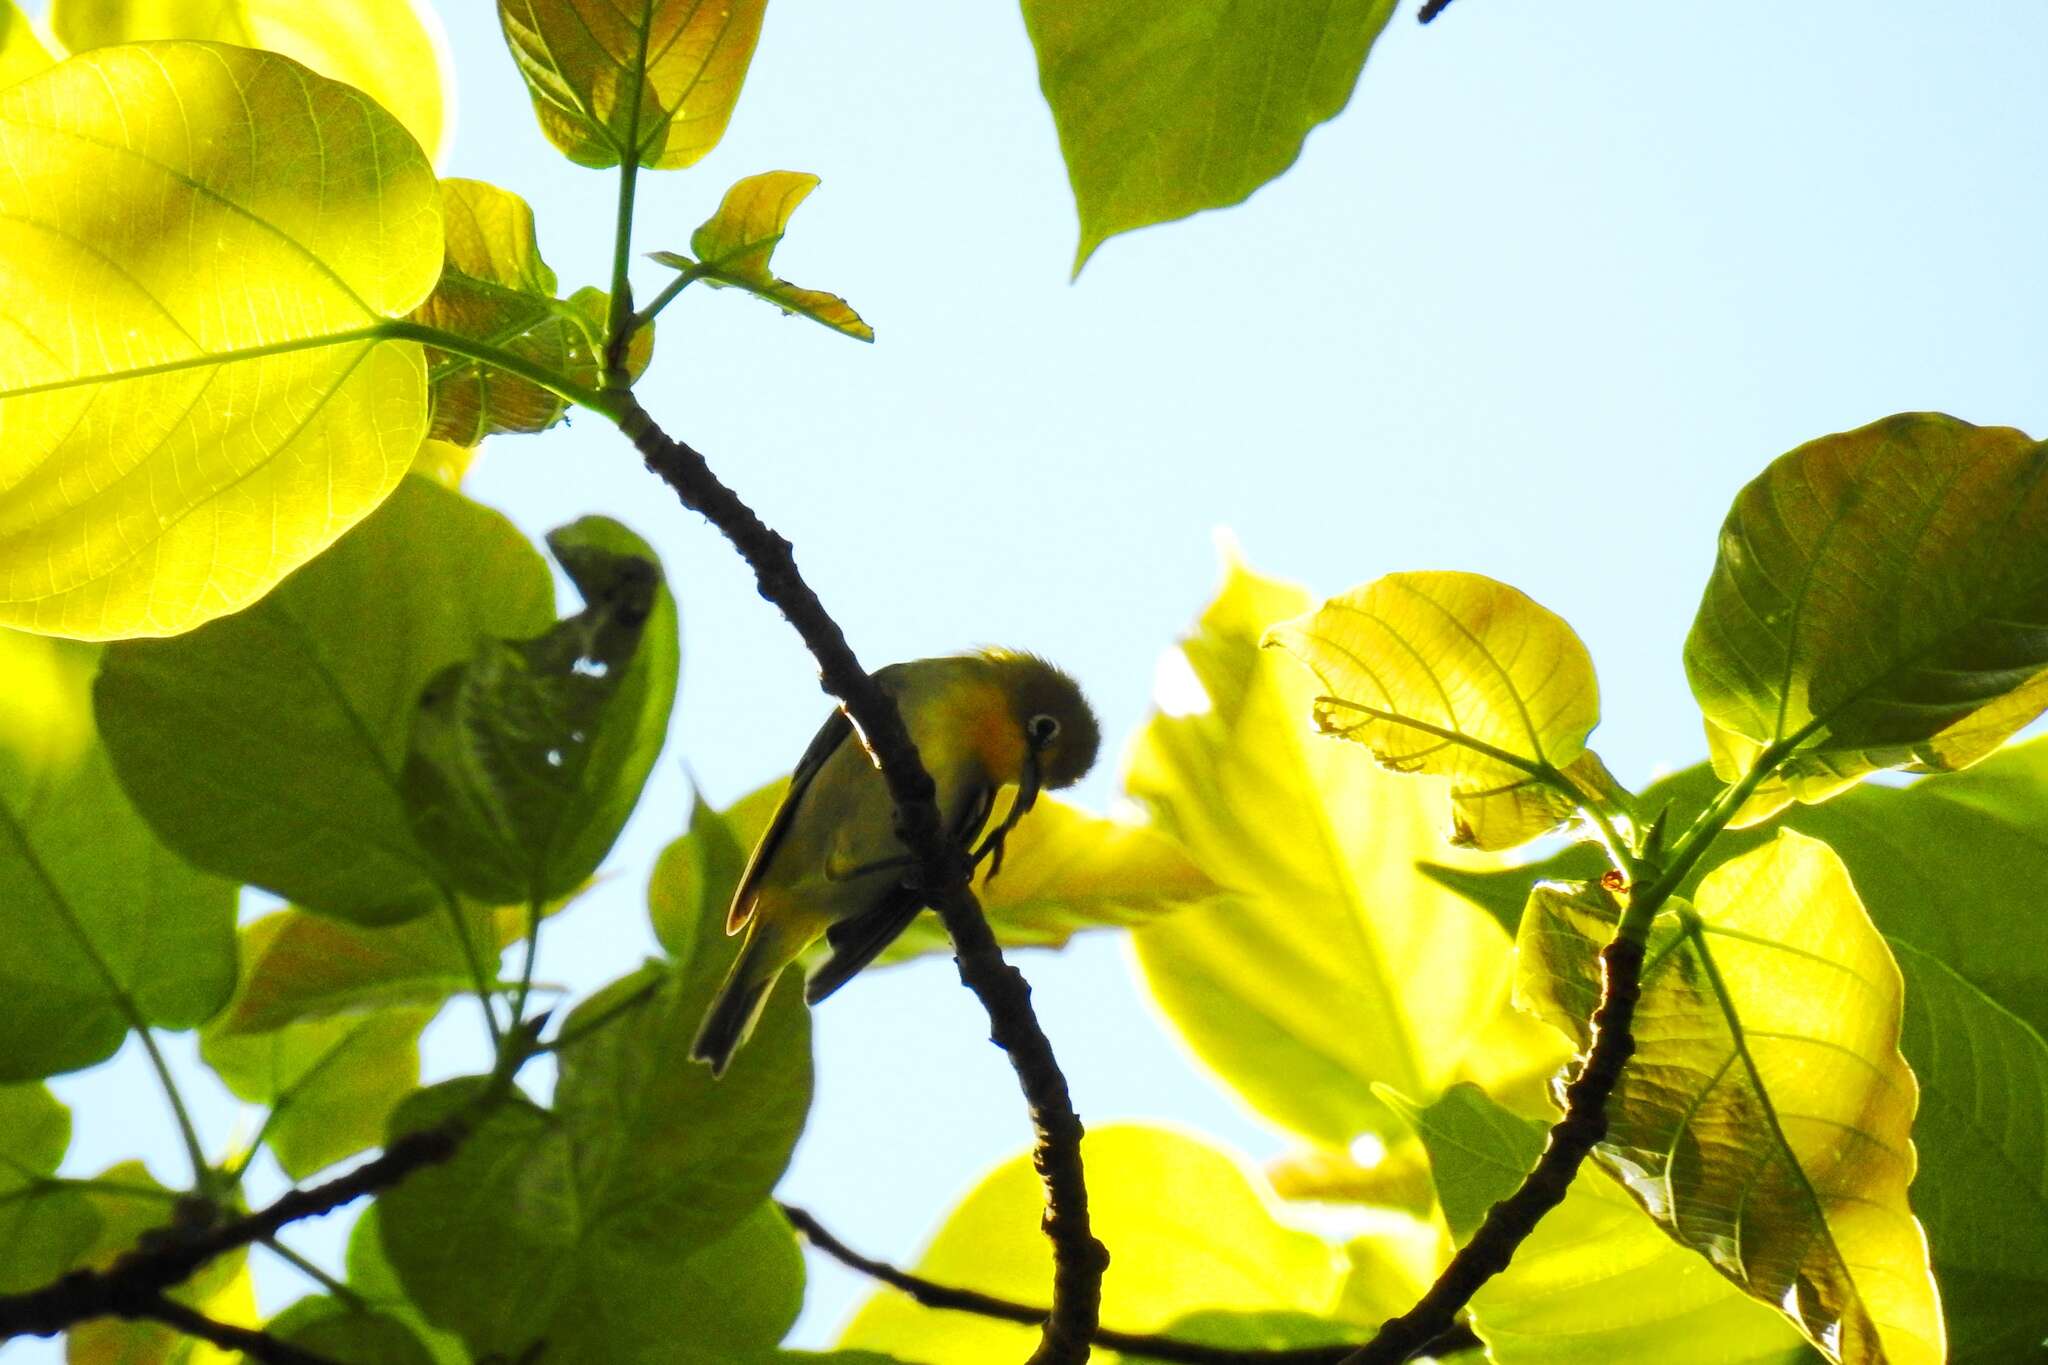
[[298, 966], [495, 288], [335, 1331], [1765, 1118], [1982, 1135], [124, 935], [654, 82], [1907, 850], [185, 427], [44, 1229], [1879, 601], [1457, 676], [734, 245], [696, 874], [370, 1275], [527, 759], [1192, 1229], [381, 47], [1295, 990], [1167, 107], [22, 53], [331, 1083], [1596, 1282], [630, 1223], [267, 747]]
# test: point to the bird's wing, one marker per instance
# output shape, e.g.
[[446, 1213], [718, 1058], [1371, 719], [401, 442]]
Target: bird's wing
[[833, 733], [860, 940]]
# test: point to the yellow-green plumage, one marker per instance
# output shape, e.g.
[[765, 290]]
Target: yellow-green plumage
[[830, 861]]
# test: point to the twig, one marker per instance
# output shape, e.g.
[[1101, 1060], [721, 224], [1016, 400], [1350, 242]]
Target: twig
[[255, 1344], [931, 1294], [1078, 1258], [133, 1285], [1510, 1222], [1431, 9]]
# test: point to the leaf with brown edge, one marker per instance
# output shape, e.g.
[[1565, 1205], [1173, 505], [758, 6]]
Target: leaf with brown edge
[[1765, 1118], [496, 289], [298, 966], [1458, 676], [653, 81], [1880, 600], [733, 248]]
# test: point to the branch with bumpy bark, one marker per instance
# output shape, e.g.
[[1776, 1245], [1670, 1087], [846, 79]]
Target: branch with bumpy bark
[[134, 1285], [942, 871], [951, 1298], [1509, 1223]]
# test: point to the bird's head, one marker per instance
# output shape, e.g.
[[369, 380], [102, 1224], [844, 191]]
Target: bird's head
[[1060, 731]]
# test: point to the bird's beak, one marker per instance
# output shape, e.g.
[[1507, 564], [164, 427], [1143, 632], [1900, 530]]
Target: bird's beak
[[1028, 782]]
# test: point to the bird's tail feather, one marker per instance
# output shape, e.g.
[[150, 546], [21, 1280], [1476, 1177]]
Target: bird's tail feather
[[738, 1005]]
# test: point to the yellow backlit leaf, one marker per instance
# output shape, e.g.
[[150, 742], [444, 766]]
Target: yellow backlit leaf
[[653, 81], [391, 50], [1192, 1230], [733, 248], [1297, 989], [1766, 1116], [22, 53], [199, 246], [497, 290], [1455, 675]]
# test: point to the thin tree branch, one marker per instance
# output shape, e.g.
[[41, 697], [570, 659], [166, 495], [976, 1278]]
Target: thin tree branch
[[1431, 9], [942, 874], [133, 1286], [932, 1294], [256, 1345], [1510, 1222]]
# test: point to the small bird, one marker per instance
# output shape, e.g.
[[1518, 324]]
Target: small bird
[[830, 863]]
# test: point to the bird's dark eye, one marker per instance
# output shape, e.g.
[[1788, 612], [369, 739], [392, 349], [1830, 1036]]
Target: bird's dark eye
[[1043, 729]]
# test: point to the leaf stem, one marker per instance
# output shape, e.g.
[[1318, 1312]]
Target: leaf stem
[[1540, 769], [119, 1189], [404, 329], [202, 1171], [533, 910], [667, 296], [314, 1273], [476, 969], [569, 1037], [619, 319]]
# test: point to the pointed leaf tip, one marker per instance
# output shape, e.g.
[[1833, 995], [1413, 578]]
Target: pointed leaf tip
[[735, 244]]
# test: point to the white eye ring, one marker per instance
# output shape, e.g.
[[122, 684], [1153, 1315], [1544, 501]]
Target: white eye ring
[[1043, 729]]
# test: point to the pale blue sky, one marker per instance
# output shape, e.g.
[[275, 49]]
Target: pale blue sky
[[1554, 286]]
